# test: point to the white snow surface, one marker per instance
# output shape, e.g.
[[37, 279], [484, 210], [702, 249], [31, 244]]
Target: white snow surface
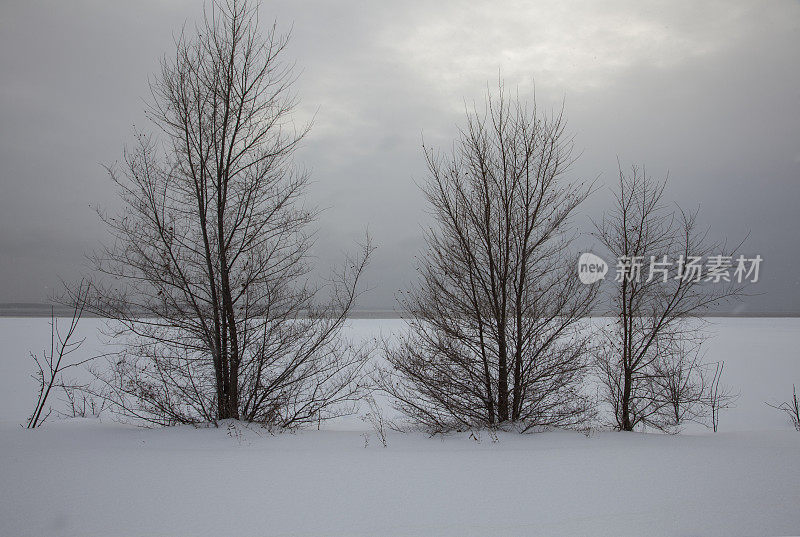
[[86, 477]]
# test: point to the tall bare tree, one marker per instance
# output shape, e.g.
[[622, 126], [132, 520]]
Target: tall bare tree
[[207, 277], [492, 333], [650, 358]]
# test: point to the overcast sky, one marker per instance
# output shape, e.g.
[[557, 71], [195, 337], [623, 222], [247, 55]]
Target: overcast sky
[[708, 92]]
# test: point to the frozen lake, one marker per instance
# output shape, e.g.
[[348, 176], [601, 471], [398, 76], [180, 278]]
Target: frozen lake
[[762, 360]]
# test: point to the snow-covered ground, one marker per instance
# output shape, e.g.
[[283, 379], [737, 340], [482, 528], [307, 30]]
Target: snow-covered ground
[[90, 479], [84, 477]]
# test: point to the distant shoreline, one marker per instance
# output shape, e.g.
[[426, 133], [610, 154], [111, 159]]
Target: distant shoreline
[[34, 310]]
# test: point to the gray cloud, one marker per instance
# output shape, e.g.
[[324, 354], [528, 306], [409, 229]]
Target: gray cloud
[[709, 93]]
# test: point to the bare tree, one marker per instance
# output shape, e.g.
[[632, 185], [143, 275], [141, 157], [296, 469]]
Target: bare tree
[[53, 363], [720, 397], [207, 279], [790, 408], [649, 359], [492, 321], [377, 420]]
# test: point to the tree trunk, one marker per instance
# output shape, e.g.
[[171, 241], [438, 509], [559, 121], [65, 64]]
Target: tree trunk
[[625, 403], [502, 383]]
